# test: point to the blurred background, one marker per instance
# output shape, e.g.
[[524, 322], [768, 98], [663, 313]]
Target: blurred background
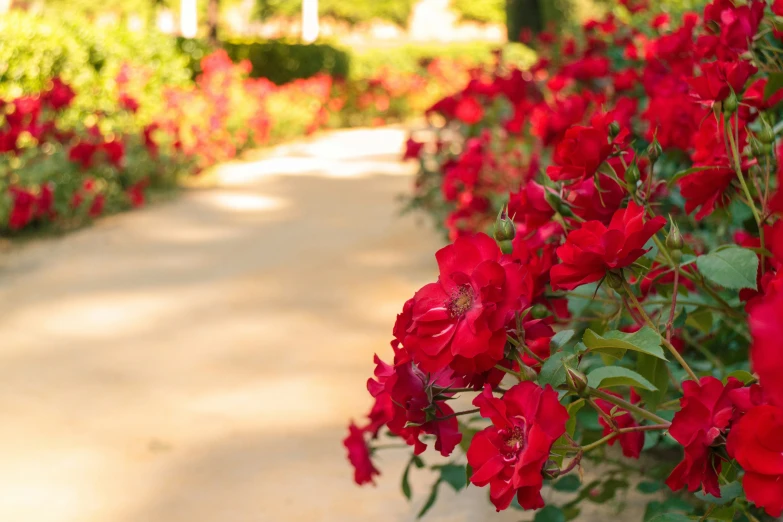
[[198, 359]]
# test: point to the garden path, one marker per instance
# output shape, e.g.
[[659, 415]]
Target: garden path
[[198, 360]]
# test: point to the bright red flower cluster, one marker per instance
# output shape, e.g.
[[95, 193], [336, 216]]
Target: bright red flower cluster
[[574, 165]]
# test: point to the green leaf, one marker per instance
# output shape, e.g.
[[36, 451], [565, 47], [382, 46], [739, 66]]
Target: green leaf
[[743, 376], [453, 475], [572, 410], [560, 339], [727, 494], [430, 500], [608, 491], [726, 513], [668, 517], [559, 455], [774, 84], [734, 267], [611, 376], [655, 371], [649, 487], [701, 319], [616, 343], [467, 436], [553, 371], [550, 514], [406, 486], [568, 483]]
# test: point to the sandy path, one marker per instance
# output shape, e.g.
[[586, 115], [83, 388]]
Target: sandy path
[[197, 361]]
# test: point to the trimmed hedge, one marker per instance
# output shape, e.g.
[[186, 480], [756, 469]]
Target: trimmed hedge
[[351, 11], [282, 62]]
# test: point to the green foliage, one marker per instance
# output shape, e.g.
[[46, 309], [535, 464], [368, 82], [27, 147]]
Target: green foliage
[[485, 11], [732, 267], [88, 57], [353, 12], [282, 62]]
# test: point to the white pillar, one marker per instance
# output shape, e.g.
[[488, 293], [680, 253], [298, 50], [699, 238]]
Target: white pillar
[[309, 20], [188, 21]]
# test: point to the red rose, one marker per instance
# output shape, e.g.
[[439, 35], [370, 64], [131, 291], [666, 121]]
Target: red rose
[[719, 79], [631, 443], [756, 442], [530, 207], [401, 395], [581, 151], [412, 149], [461, 320], [82, 153], [705, 413], [115, 152], [469, 110], [59, 95], [359, 456], [23, 209], [766, 352], [593, 249], [510, 454]]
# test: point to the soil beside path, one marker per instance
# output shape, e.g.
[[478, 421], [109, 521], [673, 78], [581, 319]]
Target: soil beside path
[[198, 361]]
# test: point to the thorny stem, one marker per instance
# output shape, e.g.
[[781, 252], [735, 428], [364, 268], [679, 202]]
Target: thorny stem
[[456, 414], [525, 348], [622, 403], [666, 343], [615, 433], [670, 323], [738, 169], [602, 413], [510, 372]]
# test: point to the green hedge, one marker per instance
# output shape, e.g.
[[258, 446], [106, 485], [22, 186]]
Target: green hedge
[[35, 48], [484, 11], [351, 11], [283, 62]]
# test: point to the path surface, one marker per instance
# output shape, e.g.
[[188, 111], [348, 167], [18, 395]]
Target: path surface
[[198, 361]]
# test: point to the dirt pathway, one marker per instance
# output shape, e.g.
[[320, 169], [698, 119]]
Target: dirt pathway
[[197, 361]]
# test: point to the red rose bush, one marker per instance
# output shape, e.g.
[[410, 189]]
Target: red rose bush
[[613, 288]]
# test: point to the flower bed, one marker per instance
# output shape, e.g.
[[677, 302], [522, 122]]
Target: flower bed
[[614, 277], [99, 137], [63, 174]]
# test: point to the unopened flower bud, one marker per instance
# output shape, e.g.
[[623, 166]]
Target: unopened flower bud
[[504, 227], [632, 174], [506, 246], [558, 205], [765, 135], [614, 280], [539, 311], [577, 381], [654, 150], [614, 129], [756, 147], [674, 239], [528, 373], [730, 104]]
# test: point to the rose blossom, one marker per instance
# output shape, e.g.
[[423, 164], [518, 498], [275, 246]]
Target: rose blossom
[[511, 453], [593, 249], [461, 320]]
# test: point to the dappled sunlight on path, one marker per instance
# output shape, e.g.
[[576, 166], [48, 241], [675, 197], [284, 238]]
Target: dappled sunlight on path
[[198, 361]]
